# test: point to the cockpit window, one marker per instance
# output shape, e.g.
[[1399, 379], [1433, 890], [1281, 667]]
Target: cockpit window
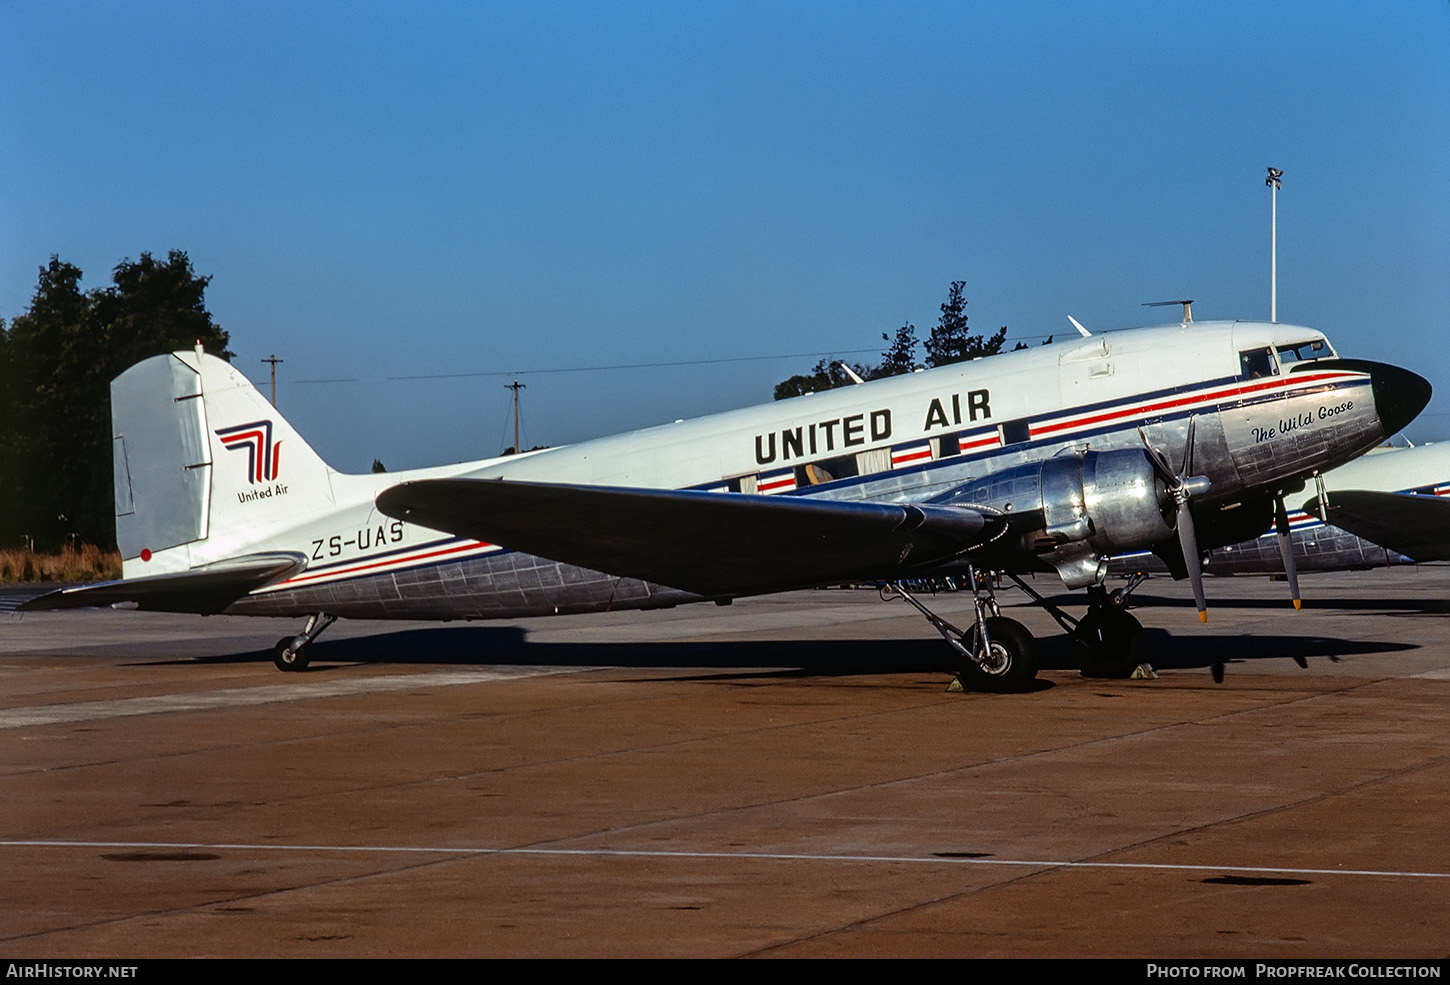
[[1304, 351], [1256, 363]]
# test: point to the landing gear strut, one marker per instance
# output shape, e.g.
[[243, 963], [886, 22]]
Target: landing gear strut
[[999, 654], [1109, 639], [295, 652]]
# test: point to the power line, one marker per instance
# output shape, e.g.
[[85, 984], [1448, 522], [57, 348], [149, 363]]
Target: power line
[[594, 369], [578, 369]]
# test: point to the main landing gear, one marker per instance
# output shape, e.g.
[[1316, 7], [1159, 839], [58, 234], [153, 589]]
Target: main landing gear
[[295, 652], [1109, 638], [1000, 654]]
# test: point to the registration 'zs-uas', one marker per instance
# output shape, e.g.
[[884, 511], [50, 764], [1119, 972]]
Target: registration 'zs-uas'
[[1174, 439]]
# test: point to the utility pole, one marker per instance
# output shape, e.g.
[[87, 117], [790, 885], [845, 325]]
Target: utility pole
[[1273, 181], [515, 386], [274, 361]]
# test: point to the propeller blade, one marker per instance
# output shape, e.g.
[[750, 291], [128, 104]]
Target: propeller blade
[[1160, 462], [1286, 549], [1181, 487], [1188, 541], [1188, 446]]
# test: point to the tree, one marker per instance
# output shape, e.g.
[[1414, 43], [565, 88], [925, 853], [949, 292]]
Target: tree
[[900, 356], [10, 498], [1023, 345], [156, 307], [951, 341], [40, 475], [58, 360]]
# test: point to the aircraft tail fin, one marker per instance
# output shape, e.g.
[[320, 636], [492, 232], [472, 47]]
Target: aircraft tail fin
[[205, 467]]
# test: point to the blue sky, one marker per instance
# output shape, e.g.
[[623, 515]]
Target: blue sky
[[469, 191]]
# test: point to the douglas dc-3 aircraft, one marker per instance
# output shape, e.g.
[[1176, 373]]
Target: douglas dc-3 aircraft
[[1048, 459]]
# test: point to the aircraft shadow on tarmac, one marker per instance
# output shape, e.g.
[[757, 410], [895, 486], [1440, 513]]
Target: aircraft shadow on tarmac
[[482, 646], [1399, 606]]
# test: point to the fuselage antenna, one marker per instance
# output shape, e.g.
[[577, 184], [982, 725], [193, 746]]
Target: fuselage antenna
[[1187, 308]]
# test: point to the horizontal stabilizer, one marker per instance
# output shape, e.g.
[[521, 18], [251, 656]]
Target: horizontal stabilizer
[[712, 544], [1415, 526], [210, 588]]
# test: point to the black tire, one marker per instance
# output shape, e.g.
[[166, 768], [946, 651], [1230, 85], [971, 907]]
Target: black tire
[[296, 661], [1013, 666], [1109, 643]]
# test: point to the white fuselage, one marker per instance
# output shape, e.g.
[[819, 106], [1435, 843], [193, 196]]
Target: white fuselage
[[902, 439]]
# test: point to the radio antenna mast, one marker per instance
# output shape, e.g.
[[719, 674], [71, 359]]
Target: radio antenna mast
[[1187, 308]]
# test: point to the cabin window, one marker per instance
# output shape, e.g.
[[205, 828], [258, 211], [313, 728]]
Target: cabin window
[[948, 445], [1255, 364], [1304, 351], [871, 462], [1014, 432], [735, 483], [826, 470]]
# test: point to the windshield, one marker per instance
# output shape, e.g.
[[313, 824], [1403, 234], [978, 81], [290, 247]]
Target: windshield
[[1304, 351], [1256, 363]]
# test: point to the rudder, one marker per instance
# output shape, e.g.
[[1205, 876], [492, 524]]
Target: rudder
[[205, 467]]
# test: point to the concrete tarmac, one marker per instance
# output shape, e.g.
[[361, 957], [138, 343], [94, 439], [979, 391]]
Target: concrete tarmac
[[784, 777]]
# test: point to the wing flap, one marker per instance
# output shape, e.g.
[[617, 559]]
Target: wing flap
[[1415, 526], [209, 588], [712, 544]]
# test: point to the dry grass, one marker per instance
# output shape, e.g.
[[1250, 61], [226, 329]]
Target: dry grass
[[89, 563]]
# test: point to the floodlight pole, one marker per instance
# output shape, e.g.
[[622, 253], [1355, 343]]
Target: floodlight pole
[[1273, 181]]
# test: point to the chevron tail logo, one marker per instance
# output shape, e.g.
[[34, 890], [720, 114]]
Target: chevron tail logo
[[256, 440]]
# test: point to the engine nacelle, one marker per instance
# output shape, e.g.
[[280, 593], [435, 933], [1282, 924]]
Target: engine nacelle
[[1091, 505]]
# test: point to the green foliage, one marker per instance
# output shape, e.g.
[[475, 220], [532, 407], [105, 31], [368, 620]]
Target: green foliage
[[1023, 345], [950, 342], [900, 357], [57, 361]]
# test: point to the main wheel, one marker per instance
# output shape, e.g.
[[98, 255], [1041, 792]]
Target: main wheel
[[1009, 666], [1109, 642], [295, 660]]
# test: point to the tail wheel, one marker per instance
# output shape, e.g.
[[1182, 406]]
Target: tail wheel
[[1009, 666], [1109, 642], [286, 659]]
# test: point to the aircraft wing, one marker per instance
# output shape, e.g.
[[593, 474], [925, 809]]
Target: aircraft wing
[[712, 544], [1415, 526], [209, 588]]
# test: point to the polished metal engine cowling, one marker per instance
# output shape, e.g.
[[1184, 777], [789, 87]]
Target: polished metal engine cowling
[[1092, 504]]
